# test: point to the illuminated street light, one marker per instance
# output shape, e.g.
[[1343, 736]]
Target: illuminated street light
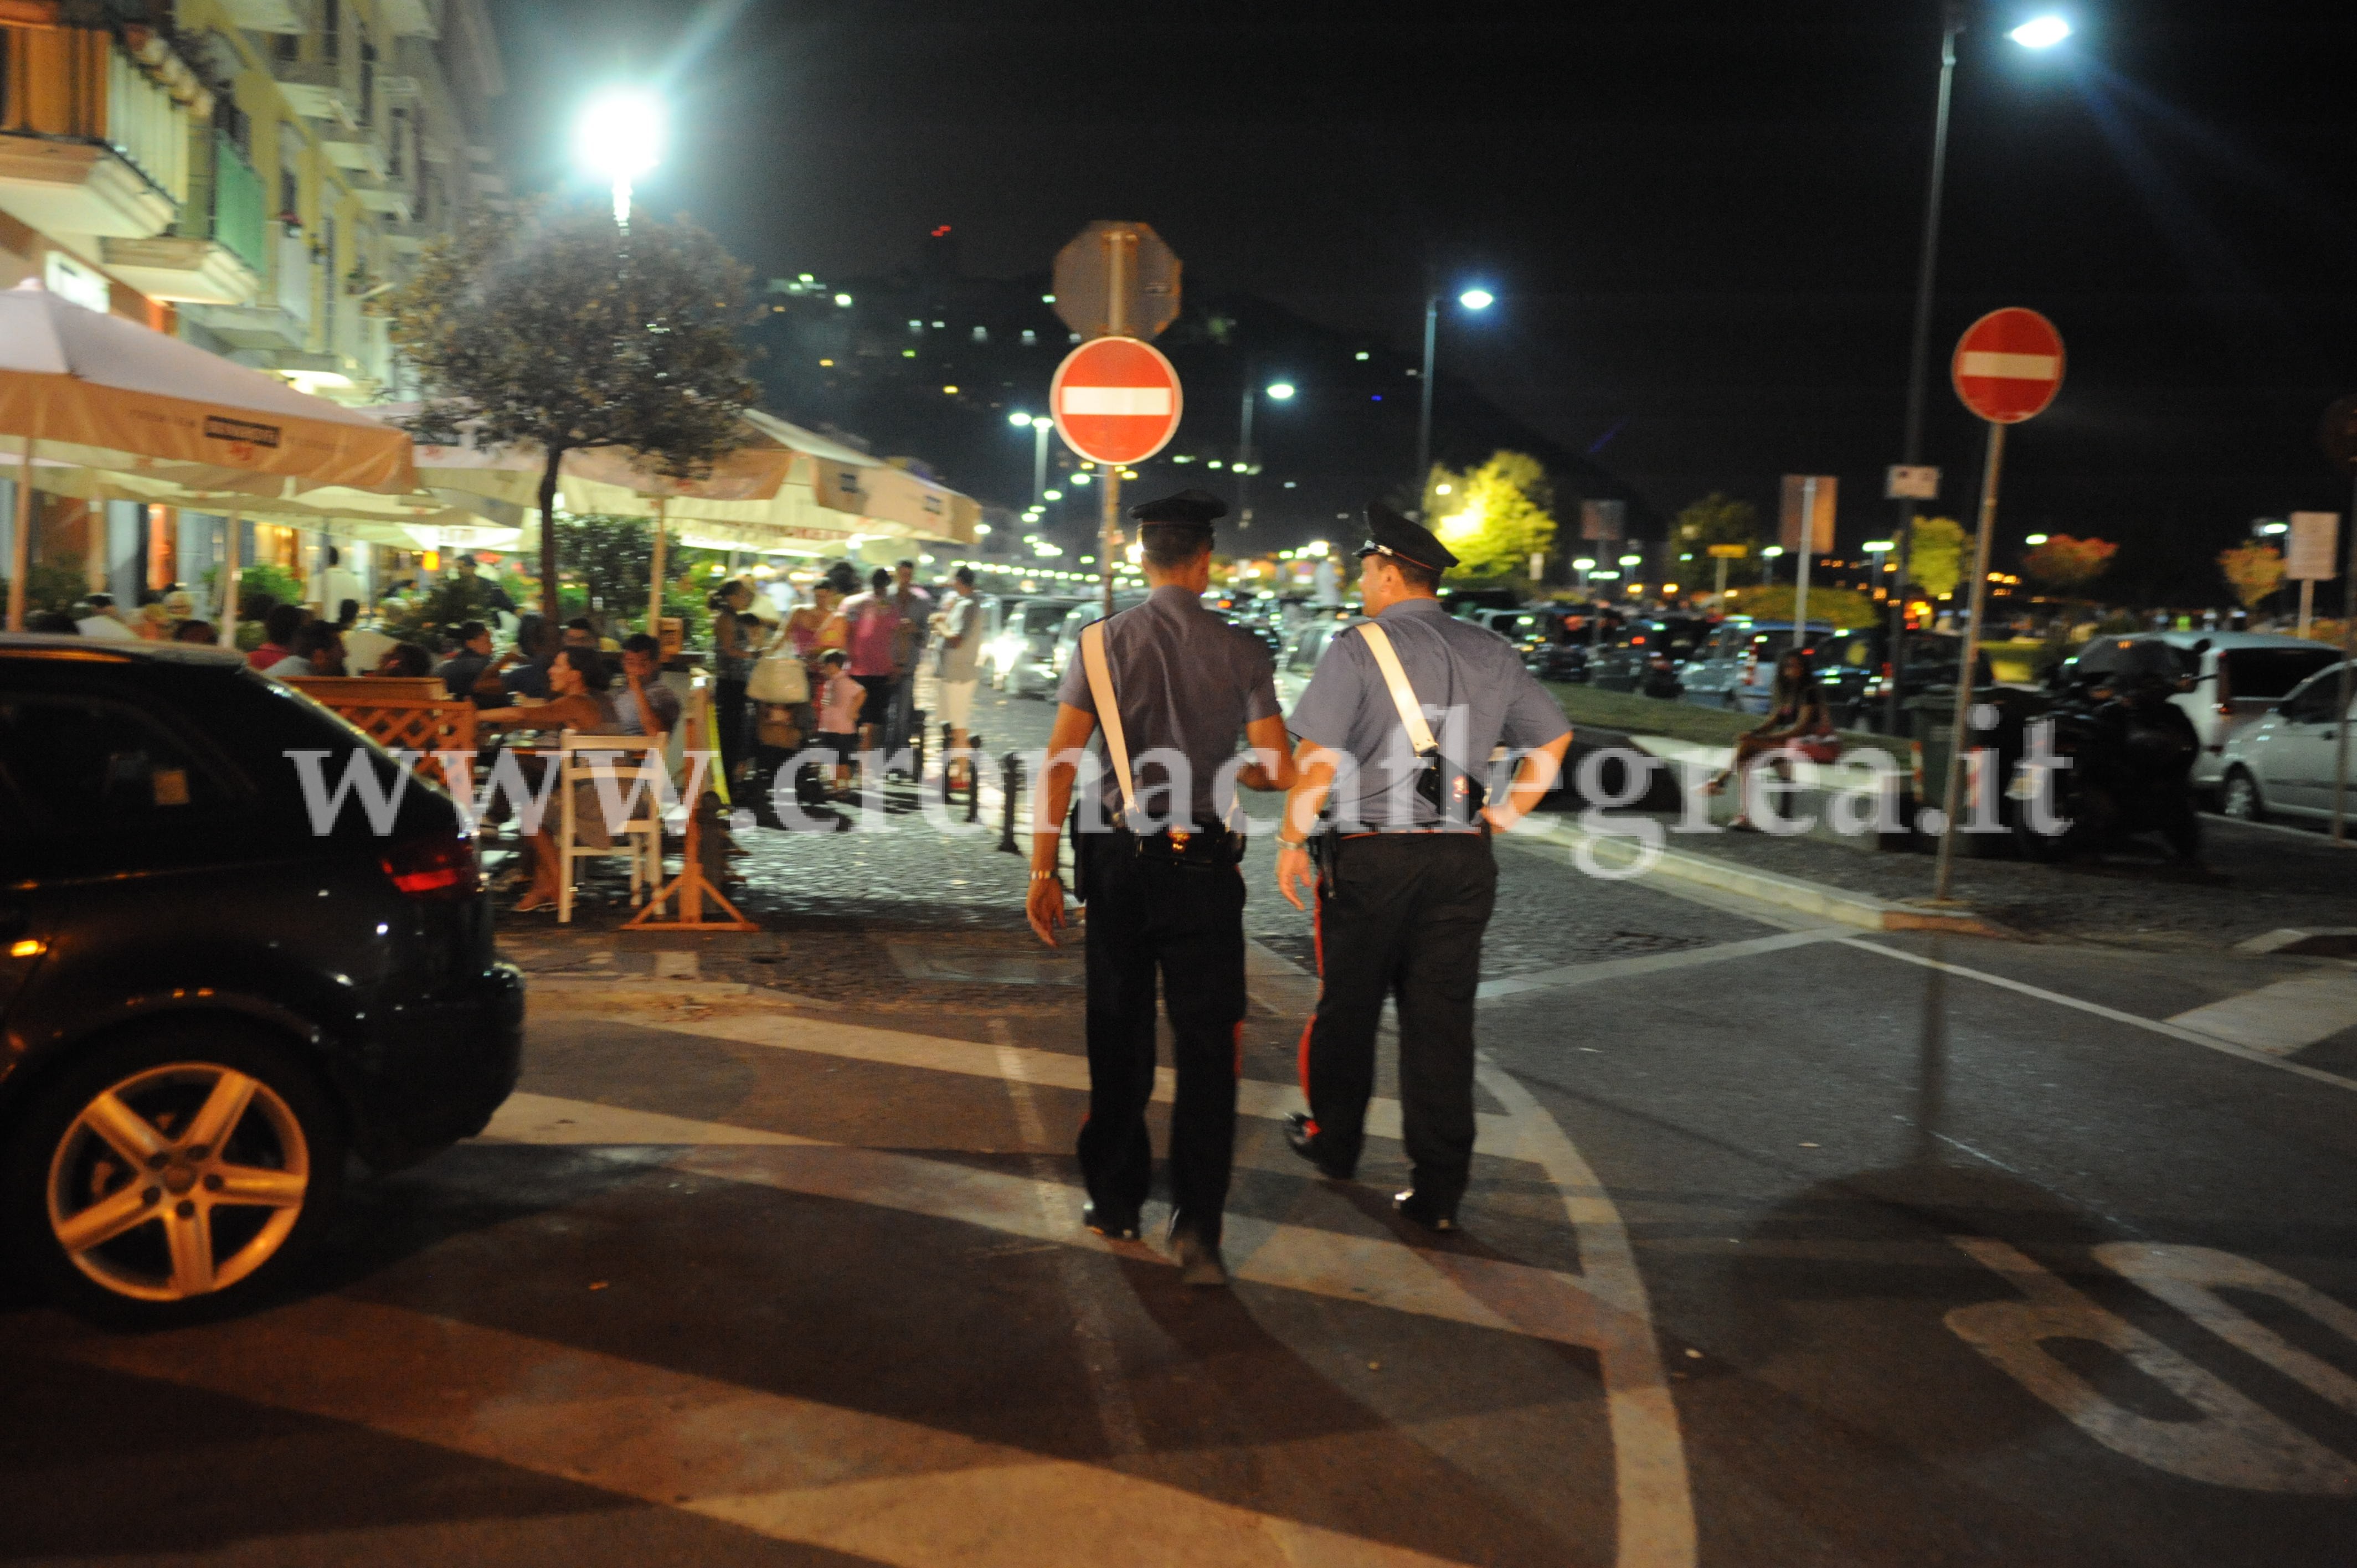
[[619, 138], [1020, 420], [1477, 299], [1051, 495], [2033, 539], [1471, 299], [2040, 32], [1585, 563], [1280, 390], [1038, 424], [1632, 560]]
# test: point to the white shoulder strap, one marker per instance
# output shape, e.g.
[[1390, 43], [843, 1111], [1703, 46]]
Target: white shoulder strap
[[1404, 698], [1092, 662]]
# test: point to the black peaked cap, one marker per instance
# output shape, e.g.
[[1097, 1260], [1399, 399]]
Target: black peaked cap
[[1389, 534], [1190, 509]]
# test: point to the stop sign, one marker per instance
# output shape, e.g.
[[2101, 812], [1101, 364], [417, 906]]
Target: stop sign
[[2008, 365], [1115, 401]]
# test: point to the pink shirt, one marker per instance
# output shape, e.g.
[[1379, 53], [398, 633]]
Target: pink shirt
[[840, 714], [872, 623]]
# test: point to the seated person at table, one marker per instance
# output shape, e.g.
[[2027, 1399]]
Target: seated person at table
[[579, 700], [312, 653], [524, 670], [463, 668], [405, 659], [196, 631], [279, 626], [645, 705]]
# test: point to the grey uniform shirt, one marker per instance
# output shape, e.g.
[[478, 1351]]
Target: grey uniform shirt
[[1475, 692], [1188, 684]]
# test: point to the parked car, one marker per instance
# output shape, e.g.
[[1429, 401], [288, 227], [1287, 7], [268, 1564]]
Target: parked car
[[1021, 657], [1068, 635], [1299, 661], [1853, 666], [1734, 665], [1647, 655], [213, 986], [2286, 761], [2231, 679], [1552, 642]]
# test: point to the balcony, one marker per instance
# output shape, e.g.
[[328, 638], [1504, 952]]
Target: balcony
[[316, 90], [280, 320], [93, 142], [219, 256]]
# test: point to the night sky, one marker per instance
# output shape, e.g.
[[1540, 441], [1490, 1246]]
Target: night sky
[[1701, 221]]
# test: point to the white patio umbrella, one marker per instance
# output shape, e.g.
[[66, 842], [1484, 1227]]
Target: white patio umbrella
[[165, 421]]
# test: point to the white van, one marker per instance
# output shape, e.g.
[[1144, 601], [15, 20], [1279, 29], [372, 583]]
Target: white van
[[2236, 677]]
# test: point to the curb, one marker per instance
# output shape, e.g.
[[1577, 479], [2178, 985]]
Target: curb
[[1839, 905]]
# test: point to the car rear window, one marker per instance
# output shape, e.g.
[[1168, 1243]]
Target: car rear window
[[1044, 617], [2270, 672], [88, 764]]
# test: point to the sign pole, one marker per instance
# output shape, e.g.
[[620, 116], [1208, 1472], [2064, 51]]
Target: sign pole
[[2307, 604], [655, 577], [1800, 582], [2348, 653], [1968, 656], [1116, 324]]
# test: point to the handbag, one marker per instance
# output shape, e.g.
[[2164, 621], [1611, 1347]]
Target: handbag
[[778, 677]]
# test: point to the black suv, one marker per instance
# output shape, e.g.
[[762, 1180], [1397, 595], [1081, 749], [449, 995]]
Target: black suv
[[214, 981]]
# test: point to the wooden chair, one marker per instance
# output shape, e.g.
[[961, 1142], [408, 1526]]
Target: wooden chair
[[582, 761]]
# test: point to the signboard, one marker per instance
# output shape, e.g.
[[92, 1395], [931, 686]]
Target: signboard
[[1813, 493], [2311, 545], [1115, 401], [1903, 482], [2008, 365], [1730, 552], [1603, 521], [1147, 293]]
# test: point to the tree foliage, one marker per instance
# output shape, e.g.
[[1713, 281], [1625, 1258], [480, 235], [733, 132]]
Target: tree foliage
[[1719, 519], [2253, 571], [1940, 555], [611, 557], [1494, 517], [565, 330], [2064, 564]]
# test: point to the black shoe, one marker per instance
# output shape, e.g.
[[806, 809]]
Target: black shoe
[[1310, 1146], [1428, 1212], [1109, 1224], [1199, 1263]]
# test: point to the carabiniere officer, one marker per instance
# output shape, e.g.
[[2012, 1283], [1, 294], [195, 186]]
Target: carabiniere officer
[[1406, 878], [1167, 899]]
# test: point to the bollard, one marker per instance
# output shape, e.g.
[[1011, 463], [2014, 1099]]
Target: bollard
[[917, 747], [973, 778], [949, 760], [1010, 781]]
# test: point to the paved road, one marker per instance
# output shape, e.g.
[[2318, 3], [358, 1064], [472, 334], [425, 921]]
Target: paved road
[[1787, 1246]]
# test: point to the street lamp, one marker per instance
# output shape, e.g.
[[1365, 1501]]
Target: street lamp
[[2034, 539], [1471, 299], [1038, 424], [2040, 32], [618, 138], [1279, 392]]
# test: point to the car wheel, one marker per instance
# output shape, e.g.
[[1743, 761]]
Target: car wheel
[[2239, 797], [172, 1176]]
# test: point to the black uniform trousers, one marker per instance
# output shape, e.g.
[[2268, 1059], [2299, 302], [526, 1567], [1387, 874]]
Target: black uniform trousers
[[1186, 922], [1401, 914]]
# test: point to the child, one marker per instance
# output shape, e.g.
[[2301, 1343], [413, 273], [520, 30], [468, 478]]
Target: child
[[840, 697]]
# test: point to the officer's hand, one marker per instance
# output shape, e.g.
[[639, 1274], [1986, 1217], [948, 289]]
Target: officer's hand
[[1294, 874], [1045, 908], [1501, 820]]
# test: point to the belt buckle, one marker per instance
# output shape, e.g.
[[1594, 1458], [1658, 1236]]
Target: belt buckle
[[1179, 838]]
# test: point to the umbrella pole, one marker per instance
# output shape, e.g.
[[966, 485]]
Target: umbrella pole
[[655, 587], [229, 572], [20, 547]]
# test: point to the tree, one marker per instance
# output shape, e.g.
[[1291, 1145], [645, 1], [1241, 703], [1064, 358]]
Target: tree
[[2064, 564], [611, 557], [1937, 560], [1494, 517], [1719, 519], [570, 331], [2254, 570]]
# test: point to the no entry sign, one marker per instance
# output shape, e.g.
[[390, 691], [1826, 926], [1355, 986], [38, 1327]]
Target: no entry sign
[[1115, 401], [2008, 365]]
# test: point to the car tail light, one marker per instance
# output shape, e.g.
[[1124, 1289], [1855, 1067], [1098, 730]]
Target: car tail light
[[437, 866], [2225, 710]]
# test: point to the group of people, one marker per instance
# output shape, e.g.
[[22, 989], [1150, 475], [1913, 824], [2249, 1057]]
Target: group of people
[[857, 651], [1384, 828]]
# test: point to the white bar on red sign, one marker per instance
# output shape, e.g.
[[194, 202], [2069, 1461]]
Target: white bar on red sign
[[1140, 402]]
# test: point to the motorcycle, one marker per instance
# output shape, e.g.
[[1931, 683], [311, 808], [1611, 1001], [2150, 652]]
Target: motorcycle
[[2126, 754]]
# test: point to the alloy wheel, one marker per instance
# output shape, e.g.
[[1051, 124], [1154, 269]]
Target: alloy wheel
[[2241, 798], [177, 1181]]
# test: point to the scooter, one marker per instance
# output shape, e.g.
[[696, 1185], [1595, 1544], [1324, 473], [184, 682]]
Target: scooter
[[2130, 754]]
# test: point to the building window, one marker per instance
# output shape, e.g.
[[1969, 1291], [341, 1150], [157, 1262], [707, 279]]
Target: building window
[[286, 47], [331, 30], [290, 190]]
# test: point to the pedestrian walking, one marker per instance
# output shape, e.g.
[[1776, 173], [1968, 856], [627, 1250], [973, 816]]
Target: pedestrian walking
[[1171, 685], [1405, 877], [958, 639], [908, 636], [872, 637]]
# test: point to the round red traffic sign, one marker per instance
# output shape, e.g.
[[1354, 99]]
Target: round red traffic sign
[[1115, 399], [2008, 365]]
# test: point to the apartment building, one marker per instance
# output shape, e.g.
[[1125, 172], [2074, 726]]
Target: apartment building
[[250, 174]]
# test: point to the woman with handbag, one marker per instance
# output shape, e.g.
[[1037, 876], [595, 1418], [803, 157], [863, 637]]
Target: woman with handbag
[[1798, 721], [779, 690], [735, 643]]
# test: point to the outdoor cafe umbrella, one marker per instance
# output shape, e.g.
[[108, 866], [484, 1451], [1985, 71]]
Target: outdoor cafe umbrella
[[156, 419]]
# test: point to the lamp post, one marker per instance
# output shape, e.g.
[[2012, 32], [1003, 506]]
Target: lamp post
[[1038, 424], [619, 138], [1245, 464], [2040, 33], [1471, 299]]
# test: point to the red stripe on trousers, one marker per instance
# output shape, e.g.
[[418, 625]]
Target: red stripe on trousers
[[1317, 947]]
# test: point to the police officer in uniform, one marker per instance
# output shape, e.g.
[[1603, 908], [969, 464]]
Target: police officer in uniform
[[1406, 879], [1159, 873]]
